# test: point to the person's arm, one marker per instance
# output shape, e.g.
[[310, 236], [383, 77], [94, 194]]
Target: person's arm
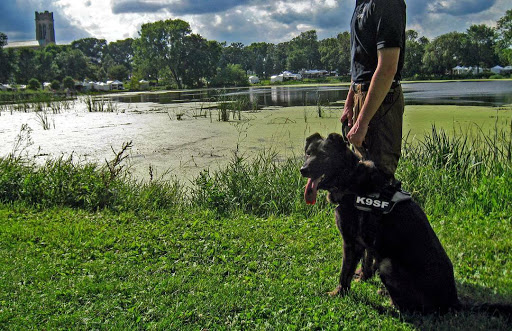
[[348, 109], [379, 86]]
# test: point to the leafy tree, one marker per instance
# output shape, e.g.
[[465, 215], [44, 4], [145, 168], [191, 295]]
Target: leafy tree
[[234, 54], [3, 39], [505, 56], [46, 68], [162, 46], [100, 74], [344, 53], [121, 52], [55, 85], [329, 53], [415, 50], [504, 30], [68, 82], [108, 62], [444, 53], [258, 58], [93, 48], [480, 46], [118, 72], [34, 84], [26, 65], [214, 55], [7, 60], [303, 52], [231, 75], [335, 53], [201, 60], [71, 63], [279, 56]]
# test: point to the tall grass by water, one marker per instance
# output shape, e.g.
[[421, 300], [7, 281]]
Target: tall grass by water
[[85, 246], [264, 185]]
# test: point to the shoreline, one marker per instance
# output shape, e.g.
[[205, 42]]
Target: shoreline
[[185, 147]]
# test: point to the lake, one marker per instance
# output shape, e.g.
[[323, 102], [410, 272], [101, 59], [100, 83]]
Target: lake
[[468, 93], [179, 132]]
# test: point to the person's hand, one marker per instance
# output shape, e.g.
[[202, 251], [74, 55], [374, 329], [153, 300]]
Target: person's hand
[[348, 110], [357, 134]]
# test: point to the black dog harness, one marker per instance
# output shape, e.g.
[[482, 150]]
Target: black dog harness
[[381, 202]]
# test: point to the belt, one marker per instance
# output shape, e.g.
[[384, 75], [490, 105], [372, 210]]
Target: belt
[[364, 86]]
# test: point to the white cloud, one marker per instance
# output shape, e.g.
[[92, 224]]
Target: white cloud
[[251, 20]]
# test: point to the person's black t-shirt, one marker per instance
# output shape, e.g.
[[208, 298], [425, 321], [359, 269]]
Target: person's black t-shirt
[[375, 24]]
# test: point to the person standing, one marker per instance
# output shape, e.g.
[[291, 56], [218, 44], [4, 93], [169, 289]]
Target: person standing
[[373, 113], [375, 104]]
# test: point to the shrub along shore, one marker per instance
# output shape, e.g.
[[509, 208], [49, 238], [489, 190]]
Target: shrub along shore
[[86, 246]]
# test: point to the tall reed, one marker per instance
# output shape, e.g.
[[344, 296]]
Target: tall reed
[[447, 171], [444, 173]]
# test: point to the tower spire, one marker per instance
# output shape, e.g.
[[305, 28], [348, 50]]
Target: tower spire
[[45, 32]]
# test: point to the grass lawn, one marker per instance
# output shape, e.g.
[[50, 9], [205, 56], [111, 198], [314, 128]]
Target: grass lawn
[[83, 249], [64, 268]]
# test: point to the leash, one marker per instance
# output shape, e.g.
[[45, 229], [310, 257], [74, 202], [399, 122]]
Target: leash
[[363, 150]]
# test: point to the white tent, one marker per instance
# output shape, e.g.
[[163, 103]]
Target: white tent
[[254, 80], [87, 86], [100, 86], [116, 85], [143, 84], [291, 76], [459, 70], [314, 73], [5, 87], [276, 78], [497, 69], [284, 76]]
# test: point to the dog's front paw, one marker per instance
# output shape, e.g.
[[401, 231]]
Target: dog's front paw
[[341, 291], [361, 276]]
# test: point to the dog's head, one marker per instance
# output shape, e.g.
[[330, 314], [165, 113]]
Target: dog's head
[[331, 165], [328, 162]]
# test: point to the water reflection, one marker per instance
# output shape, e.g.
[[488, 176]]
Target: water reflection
[[484, 93]]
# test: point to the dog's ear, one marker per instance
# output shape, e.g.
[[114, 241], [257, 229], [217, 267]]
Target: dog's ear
[[313, 137], [336, 141]]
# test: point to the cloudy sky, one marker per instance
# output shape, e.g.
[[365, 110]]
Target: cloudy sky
[[243, 21]]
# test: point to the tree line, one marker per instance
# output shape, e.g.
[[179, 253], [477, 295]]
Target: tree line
[[168, 53]]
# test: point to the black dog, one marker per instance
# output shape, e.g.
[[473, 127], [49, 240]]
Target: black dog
[[411, 262]]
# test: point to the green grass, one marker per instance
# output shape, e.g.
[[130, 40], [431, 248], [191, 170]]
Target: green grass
[[84, 247]]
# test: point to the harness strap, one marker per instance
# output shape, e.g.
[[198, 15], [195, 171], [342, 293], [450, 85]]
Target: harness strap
[[380, 203]]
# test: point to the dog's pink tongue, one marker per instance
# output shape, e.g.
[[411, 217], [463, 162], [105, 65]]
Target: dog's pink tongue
[[311, 190]]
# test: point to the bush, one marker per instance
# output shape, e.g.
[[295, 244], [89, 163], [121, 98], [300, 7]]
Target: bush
[[497, 76], [55, 85], [34, 84], [68, 83], [134, 84], [231, 75]]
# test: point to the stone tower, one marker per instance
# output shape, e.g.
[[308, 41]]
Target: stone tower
[[45, 33]]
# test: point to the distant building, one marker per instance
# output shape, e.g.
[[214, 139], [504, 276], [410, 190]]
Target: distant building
[[45, 33]]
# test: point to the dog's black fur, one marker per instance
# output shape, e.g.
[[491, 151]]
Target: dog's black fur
[[411, 261]]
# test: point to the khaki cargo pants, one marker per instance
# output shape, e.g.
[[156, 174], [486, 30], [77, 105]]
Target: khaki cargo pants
[[383, 142]]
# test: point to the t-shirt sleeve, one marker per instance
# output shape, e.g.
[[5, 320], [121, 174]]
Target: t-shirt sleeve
[[390, 23]]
